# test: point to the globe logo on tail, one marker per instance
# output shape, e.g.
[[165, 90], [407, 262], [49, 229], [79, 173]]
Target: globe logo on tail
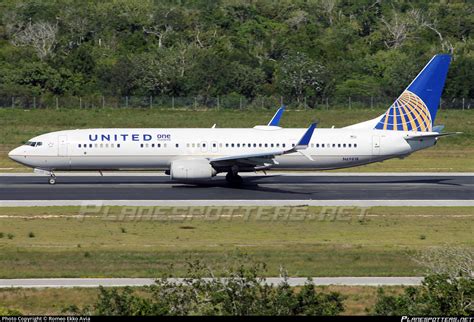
[[408, 113]]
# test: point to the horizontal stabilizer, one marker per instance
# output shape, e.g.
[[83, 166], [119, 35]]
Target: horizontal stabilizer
[[434, 135]]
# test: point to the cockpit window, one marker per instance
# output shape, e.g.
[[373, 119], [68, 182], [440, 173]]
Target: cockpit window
[[34, 144]]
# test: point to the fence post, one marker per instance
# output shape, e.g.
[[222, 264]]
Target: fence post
[[440, 102], [151, 101], [103, 101], [263, 102], [371, 102], [218, 103], [172, 102], [350, 103], [240, 102], [57, 103], [34, 102], [13, 101], [126, 101], [80, 102], [463, 103], [327, 103], [281, 100]]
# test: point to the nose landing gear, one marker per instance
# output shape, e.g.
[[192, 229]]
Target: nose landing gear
[[52, 179]]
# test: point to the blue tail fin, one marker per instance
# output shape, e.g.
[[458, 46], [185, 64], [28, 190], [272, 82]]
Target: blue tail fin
[[415, 109]]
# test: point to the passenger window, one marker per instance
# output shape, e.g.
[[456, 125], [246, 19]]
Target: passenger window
[[322, 145], [238, 145], [177, 145], [90, 145], [232, 145], [260, 145], [339, 145], [158, 145], [334, 145], [266, 145], [344, 145], [317, 145], [227, 145], [350, 145], [284, 145], [80, 145], [255, 145], [141, 145], [355, 145], [214, 145], [118, 145]]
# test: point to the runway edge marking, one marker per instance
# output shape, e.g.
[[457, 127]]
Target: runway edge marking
[[170, 203]]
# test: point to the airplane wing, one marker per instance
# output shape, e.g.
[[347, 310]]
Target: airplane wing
[[266, 158], [275, 121]]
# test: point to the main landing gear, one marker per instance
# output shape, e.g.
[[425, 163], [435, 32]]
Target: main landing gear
[[233, 178]]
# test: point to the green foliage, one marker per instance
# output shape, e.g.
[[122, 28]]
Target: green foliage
[[296, 49], [243, 292], [439, 295], [9, 312]]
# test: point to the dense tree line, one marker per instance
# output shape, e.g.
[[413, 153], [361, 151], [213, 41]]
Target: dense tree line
[[295, 48]]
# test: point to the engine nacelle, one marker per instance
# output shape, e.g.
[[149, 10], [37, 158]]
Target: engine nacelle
[[191, 170]]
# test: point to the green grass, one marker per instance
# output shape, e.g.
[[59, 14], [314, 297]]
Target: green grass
[[451, 154], [381, 244]]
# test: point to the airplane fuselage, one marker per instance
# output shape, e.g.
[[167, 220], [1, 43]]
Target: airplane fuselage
[[111, 149]]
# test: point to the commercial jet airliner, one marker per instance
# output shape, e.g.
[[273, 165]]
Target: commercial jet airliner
[[196, 154]]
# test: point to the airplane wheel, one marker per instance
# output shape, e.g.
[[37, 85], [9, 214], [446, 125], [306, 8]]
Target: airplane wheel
[[52, 181]]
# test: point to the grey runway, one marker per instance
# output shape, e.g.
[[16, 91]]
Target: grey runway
[[121, 282], [277, 188]]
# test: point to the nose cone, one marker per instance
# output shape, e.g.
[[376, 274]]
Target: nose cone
[[15, 154]]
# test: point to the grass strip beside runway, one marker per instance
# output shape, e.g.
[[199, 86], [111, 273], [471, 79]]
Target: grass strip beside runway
[[314, 241]]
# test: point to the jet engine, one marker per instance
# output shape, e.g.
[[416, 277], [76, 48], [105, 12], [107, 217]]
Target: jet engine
[[191, 170]]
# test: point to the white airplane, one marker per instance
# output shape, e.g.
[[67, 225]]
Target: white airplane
[[196, 154]]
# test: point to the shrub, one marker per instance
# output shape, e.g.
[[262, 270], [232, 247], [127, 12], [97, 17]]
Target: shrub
[[243, 292], [438, 295]]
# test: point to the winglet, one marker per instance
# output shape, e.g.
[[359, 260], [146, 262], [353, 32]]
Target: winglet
[[275, 121], [304, 141]]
